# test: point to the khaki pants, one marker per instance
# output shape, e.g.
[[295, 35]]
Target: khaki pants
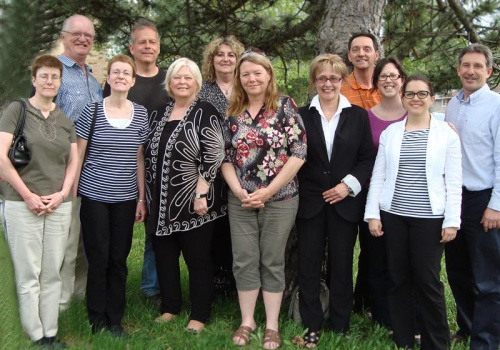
[[74, 268], [37, 245]]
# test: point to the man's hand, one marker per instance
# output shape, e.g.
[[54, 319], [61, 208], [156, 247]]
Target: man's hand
[[491, 219]]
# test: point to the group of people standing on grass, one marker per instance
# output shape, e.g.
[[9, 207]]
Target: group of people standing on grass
[[220, 166]]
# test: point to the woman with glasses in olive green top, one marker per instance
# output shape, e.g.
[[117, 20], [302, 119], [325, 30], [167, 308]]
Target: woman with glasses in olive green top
[[38, 200]]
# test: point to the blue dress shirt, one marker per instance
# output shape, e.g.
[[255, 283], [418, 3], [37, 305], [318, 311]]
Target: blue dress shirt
[[477, 120], [77, 88]]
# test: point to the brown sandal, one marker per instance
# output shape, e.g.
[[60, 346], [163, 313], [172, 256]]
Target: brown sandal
[[243, 332], [271, 336]]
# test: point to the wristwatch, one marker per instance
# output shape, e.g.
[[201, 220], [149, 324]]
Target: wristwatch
[[351, 192], [199, 195]]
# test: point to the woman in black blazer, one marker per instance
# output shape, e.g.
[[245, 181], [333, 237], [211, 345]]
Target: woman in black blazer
[[340, 159]]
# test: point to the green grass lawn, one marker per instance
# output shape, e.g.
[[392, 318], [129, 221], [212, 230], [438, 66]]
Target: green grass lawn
[[144, 333]]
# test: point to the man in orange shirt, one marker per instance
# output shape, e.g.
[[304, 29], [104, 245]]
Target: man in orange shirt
[[363, 53]]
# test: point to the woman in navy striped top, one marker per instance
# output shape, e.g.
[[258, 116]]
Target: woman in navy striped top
[[112, 189], [414, 199]]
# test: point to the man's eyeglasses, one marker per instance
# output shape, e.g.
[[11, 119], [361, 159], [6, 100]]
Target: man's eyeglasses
[[383, 77], [322, 80], [77, 35], [420, 94]]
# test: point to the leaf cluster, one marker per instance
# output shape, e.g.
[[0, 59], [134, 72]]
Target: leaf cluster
[[428, 35]]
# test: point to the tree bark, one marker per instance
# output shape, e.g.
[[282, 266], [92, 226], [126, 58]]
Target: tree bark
[[344, 18]]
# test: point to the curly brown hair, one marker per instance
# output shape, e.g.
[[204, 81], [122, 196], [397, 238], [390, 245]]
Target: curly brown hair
[[212, 49]]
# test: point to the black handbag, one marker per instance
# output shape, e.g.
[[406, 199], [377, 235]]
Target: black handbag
[[19, 154]]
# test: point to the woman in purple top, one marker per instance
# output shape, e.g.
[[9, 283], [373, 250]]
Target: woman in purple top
[[388, 77]]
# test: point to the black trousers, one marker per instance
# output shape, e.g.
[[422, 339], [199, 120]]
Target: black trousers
[[473, 267], [195, 246], [107, 230], [378, 274], [414, 259], [222, 257], [312, 234], [362, 297]]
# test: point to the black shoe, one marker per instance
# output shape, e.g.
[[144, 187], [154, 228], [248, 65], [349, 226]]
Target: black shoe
[[118, 331], [43, 343], [98, 327], [54, 343], [155, 299]]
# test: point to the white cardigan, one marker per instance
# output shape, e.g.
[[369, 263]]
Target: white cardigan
[[443, 169]]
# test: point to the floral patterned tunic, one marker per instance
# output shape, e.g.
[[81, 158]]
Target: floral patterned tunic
[[258, 148]]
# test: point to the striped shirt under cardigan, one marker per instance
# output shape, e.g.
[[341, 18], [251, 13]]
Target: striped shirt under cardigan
[[411, 194]]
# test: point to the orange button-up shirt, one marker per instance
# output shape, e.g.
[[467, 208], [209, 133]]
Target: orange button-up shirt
[[358, 94]]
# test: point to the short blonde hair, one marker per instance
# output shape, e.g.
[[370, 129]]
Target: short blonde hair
[[176, 66], [124, 59], [321, 61], [239, 97], [212, 49]]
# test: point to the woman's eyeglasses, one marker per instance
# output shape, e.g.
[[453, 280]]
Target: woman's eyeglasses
[[383, 77], [322, 79], [420, 94]]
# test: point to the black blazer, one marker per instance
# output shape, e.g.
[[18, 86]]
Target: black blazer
[[353, 153]]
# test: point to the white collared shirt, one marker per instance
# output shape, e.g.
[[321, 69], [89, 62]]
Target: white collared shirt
[[329, 127]]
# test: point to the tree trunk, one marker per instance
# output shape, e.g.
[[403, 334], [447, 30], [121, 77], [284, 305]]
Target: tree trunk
[[344, 18]]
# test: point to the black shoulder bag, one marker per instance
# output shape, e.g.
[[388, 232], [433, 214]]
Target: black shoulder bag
[[19, 154]]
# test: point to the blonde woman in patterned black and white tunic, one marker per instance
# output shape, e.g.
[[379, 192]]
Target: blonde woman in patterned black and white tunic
[[187, 197]]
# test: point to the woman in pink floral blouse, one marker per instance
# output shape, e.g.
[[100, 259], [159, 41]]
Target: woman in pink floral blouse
[[265, 148]]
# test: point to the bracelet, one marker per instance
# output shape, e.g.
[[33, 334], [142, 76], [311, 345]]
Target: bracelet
[[141, 200], [62, 195]]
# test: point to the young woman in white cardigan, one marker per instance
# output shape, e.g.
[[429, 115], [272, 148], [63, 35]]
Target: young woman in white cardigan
[[414, 200]]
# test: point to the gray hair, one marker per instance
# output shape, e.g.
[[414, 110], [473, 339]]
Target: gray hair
[[477, 48], [68, 20], [142, 24]]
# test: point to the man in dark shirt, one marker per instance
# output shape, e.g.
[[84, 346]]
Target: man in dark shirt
[[149, 91]]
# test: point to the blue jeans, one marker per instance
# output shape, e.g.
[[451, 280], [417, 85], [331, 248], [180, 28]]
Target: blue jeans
[[149, 283]]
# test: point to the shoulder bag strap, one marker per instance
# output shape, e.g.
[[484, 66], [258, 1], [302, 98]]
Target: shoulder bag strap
[[91, 131], [21, 120]]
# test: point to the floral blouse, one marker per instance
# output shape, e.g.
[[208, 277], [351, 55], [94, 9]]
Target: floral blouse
[[258, 148]]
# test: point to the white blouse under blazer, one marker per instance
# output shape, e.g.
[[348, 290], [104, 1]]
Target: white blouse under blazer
[[443, 169]]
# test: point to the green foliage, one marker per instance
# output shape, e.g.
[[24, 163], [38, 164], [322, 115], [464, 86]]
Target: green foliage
[[428, 36], [24, 33]]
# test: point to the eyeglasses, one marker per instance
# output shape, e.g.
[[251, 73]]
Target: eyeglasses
[[45, 78], [392, 76], [77, 35], [254, 50], [420, 94], [117, 72], [322, 80]]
